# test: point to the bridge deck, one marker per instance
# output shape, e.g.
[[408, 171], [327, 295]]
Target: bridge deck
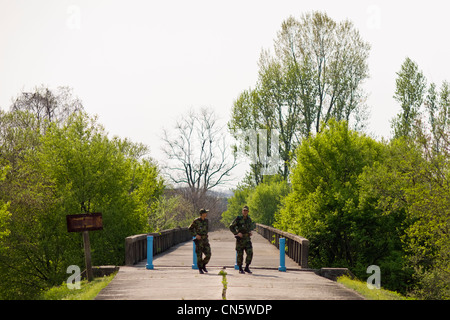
[[173, 277]]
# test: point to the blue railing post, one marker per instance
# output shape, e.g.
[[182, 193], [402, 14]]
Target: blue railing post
[[194, 257], [282, 266], [149, 264], [236, 267]]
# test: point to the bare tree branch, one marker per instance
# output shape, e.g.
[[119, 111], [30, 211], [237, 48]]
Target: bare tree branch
[[197, 152]]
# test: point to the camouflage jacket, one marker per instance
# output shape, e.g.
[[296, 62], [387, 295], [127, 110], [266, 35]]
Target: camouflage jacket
[[199, 227], [242, 225]]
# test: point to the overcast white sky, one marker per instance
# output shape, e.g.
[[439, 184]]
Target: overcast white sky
[[138, 64]]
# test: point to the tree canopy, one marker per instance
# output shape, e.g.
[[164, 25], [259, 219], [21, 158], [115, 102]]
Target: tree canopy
[[53, 168], [315, 74]]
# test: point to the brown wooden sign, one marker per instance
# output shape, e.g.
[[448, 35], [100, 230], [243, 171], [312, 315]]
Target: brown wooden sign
[[84, 222]]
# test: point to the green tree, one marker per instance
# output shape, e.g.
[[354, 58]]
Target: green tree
[[171, 212], [409, 93], [427, 239], [19, 133], [235, 203], [437, 105], [4, 214], [383, 191], [424, 196], [264, 201], [315, 74], [427, 202], [71, 167], [328, 206], [25, 260], [413, 188], [92, 173]]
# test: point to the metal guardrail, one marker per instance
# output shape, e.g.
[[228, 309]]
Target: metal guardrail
[[297, 247], [136, 246]]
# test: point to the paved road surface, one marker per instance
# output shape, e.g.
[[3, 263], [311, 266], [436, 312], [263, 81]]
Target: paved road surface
[[173, 277]]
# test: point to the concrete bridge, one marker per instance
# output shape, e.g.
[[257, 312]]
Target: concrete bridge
[[174, 279]]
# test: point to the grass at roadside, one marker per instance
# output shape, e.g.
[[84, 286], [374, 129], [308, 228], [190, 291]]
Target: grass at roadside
[[87, 291], [370, 294]]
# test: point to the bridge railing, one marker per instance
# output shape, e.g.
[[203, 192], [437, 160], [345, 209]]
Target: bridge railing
[[297, 247], [136, 246]]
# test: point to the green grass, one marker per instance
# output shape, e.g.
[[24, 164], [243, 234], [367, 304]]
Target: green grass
[[370, 294], [88, 290], [223, 273]]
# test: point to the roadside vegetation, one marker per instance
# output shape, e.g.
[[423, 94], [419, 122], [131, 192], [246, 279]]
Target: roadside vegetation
[[87, 291], [358, 200], [370, 294]]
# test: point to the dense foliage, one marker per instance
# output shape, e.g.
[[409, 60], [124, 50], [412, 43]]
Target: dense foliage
[[51, 169], [361, 202], [415, 190], [314, 73], [263, 200], [364, 202], [330, 204]]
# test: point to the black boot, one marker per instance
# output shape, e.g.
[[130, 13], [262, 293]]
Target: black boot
[[204, 269], [240, 270], [200, 269], [247, 269]]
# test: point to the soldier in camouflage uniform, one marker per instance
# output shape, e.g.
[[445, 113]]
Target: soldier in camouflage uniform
[[199, 230], [241, 228]]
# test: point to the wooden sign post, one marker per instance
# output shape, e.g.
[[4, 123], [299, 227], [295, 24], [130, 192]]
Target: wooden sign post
[[87, 256], [85, 223]]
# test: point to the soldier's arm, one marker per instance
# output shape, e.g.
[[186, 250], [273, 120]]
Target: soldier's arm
[[193, 229], [233, 226]]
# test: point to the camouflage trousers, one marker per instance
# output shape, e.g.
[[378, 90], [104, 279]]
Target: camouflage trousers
[[202, 247], [244, 244]]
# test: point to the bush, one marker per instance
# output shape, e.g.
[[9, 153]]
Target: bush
[[263, 200], [329, 207]]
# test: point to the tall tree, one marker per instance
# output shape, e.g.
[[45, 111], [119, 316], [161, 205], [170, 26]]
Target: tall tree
[[438, 108], [410, 92], [315, 74]]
